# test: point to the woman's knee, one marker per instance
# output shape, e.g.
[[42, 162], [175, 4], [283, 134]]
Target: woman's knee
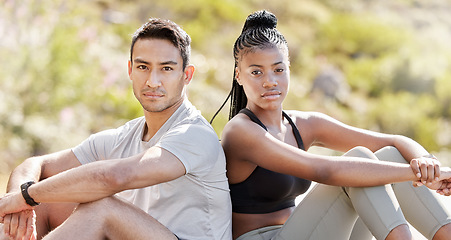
[[390, 154], [360, 151]]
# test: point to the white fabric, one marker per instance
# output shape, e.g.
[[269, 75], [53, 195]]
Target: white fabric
[[194, 206]]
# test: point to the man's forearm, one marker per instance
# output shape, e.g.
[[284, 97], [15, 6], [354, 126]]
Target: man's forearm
[[82, 184], [29, 170]]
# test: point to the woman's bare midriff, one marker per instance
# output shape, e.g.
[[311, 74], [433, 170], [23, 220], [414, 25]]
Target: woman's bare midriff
[[244, 222]]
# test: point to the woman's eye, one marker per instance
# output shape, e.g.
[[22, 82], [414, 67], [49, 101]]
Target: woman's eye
[[280, 70], [256, 72]]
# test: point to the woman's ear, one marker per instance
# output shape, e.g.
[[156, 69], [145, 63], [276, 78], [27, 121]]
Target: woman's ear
[[237, 76]]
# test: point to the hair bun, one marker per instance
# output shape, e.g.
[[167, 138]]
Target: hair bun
[[260, 19]]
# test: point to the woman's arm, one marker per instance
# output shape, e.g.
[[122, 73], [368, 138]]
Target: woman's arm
[[330, 133], [261, 148]]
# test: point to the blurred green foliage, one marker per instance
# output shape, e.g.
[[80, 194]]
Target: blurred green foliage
[[64, 65]]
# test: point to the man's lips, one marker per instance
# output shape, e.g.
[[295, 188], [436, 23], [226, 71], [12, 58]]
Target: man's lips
[[153, 94]]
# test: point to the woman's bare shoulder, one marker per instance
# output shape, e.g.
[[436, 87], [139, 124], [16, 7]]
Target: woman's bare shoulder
[[305, 116], [242, 128]]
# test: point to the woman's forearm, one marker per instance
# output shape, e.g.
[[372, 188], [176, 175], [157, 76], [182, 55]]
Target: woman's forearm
[[409, 148], [362, 172]]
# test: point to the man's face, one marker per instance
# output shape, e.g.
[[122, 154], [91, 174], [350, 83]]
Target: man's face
[[157, 73]]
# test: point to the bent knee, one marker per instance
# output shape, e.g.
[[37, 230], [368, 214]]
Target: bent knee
[[100, 207], [361, 151], [390, 154], [95, 205]]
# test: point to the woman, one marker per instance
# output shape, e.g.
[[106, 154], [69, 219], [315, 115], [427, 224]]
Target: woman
[[268, 166]]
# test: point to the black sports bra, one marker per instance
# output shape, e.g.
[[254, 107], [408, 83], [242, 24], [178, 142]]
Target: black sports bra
[[265, 191]]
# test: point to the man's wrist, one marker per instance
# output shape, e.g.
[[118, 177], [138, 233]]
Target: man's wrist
[[24, 190]]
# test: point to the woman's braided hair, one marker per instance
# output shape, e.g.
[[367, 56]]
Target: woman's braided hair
[[259, 32]]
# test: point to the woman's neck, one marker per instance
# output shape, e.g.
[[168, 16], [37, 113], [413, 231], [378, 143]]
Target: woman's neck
[[271, 118]]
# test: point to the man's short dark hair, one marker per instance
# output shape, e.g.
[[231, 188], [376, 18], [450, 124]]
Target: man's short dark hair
[[166, 30]]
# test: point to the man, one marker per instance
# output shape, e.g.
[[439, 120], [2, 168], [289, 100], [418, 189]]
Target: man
[[167, 168]]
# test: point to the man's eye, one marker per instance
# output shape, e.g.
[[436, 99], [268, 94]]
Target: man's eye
[[167, 69], [142, 67]]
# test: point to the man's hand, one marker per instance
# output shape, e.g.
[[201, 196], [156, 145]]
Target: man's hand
[[12, 203], [20, 225], [427, 169]]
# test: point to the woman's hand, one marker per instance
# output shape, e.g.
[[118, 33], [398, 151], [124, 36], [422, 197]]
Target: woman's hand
[[443, 184], [427, 169]]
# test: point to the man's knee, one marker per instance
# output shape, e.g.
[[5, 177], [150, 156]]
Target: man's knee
[[101, 203], [100, 208], [51, 215]]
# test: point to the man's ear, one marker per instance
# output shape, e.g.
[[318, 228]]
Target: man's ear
[[189, 73], [129, 68]]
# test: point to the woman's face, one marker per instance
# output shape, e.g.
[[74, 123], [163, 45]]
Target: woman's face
[[265, 76]]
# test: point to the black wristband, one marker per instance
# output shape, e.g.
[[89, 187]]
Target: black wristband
[[24, 189]]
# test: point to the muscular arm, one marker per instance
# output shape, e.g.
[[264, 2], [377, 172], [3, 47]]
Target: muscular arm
[[41, 167], [32, 169], [104, 178], [100, 179]]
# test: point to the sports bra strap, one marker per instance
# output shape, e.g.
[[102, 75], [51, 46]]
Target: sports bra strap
[[254, 118], [296, 133]]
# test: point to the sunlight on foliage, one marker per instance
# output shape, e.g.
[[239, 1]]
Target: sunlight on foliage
[[64, 73]]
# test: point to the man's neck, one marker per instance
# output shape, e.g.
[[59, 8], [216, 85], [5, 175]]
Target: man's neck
[[155, 120]]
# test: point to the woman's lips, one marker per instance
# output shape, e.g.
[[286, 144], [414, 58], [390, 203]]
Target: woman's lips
[[271, 94]]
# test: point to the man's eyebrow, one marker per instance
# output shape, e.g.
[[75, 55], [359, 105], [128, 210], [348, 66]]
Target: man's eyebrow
[[139, 60], [169, 62]]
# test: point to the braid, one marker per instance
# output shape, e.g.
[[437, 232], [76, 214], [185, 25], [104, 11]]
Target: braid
[[259, 32]]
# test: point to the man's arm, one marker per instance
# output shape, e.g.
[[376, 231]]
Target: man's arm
[[41, 167], [100, 179], [32, 169]]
